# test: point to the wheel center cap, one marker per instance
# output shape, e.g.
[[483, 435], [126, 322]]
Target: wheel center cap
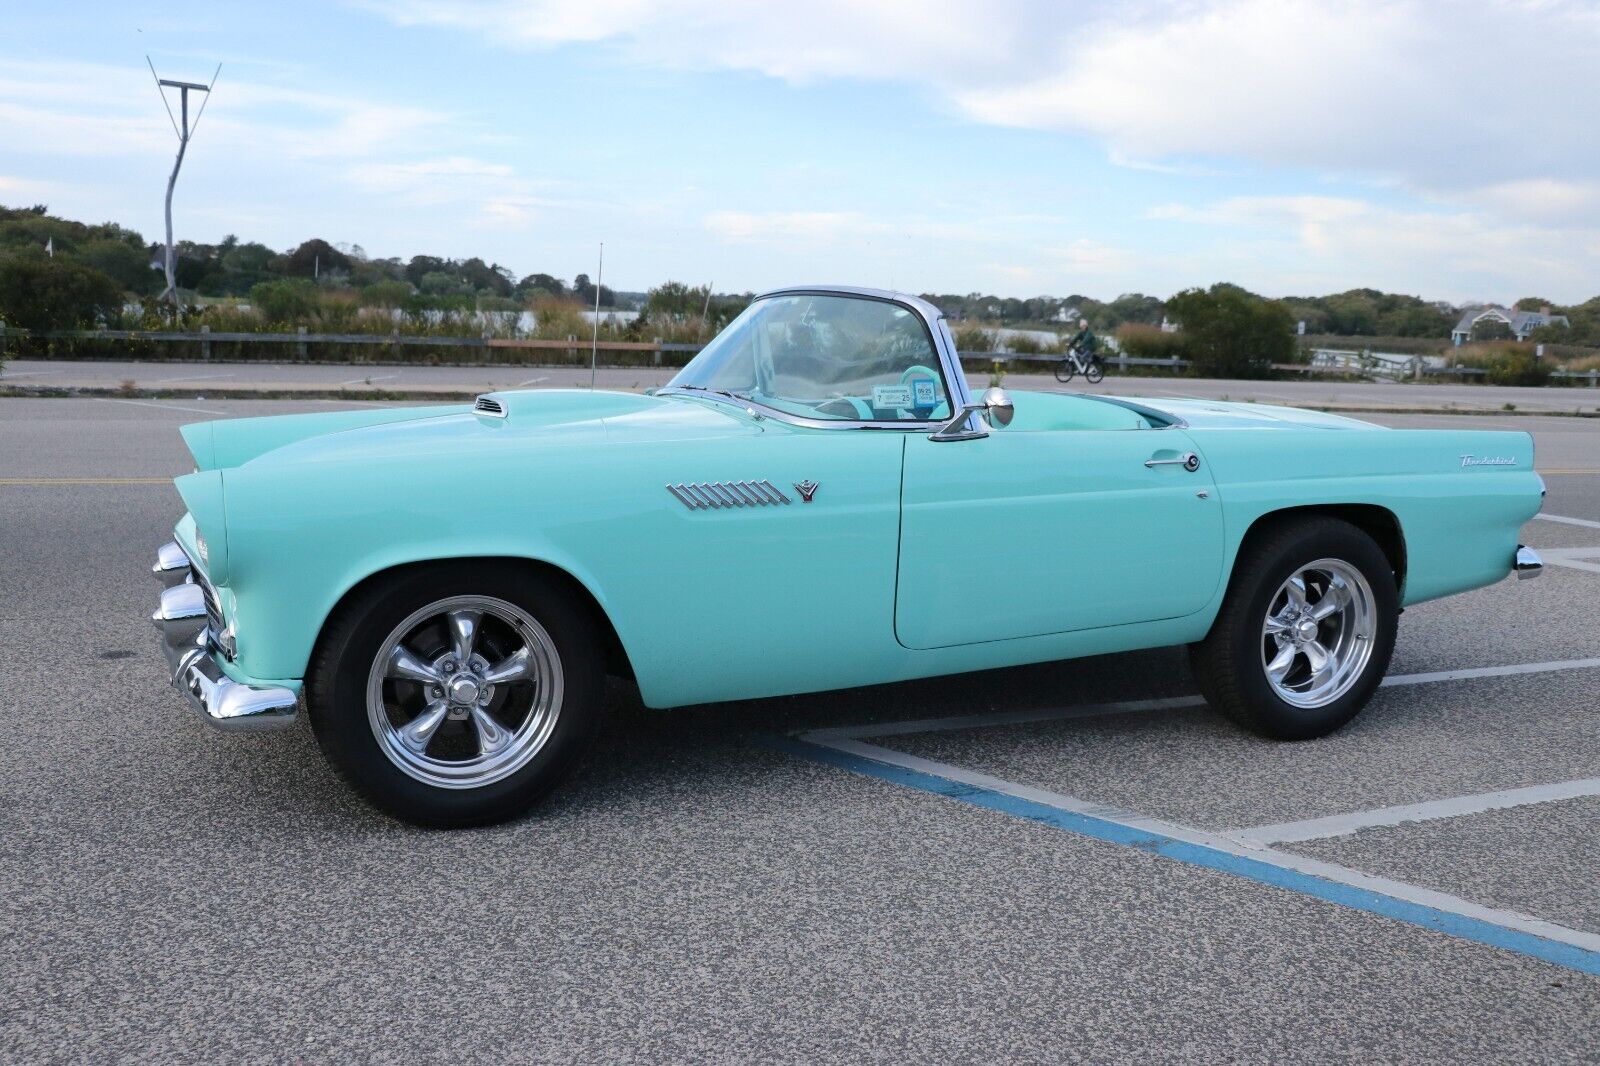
[[463, 688], [1305, 629]]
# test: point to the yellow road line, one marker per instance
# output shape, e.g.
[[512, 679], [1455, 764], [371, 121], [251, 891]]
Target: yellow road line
[[85, 481]]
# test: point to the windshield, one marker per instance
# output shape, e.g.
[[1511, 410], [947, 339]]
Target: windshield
[[842, 358]]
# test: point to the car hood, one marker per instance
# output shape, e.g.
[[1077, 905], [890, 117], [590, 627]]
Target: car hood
[[551, 416], [1203, 414]]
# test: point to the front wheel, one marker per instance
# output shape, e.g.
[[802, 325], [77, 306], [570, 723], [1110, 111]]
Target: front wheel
[[457, 694], [1305, 633], [1064, 371]]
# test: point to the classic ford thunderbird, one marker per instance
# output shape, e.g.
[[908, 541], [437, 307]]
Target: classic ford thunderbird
[[807, 506]]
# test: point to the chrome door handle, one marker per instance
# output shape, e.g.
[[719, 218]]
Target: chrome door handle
[[1188, 460]]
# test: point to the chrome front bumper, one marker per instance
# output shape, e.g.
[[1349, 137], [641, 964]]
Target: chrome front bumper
[[1527, 562], [186, 640]]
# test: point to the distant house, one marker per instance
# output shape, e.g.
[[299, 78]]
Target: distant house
[[1520, 323]]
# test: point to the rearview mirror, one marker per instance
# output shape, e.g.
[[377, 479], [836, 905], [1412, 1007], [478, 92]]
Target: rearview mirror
[[995, 405]]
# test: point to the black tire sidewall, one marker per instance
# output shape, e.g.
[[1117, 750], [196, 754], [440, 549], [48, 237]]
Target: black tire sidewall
[[1270, 714], [337, 701], [1064, 371]]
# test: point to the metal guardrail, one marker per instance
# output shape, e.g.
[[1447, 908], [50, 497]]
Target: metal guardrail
[[1590, 376], [204, 337]]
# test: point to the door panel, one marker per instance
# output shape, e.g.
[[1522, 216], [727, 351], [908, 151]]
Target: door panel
[[1026, 533]]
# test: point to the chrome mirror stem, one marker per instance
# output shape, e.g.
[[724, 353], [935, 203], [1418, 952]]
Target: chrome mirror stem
[[995, 405]]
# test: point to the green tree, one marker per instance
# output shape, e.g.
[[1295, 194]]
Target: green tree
[[288, 301], [1228, 332], [40, 293], [673, 301], [389, 293], [316, 256], [125, 264]]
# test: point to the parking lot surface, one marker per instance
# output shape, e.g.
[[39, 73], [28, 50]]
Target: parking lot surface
[[731, 883]]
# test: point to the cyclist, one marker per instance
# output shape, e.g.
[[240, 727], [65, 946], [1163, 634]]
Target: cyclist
[[1085, 341], [1083, 355]]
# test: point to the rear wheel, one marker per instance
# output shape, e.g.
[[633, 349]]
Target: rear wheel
[[1305, 633], [1096, 373], [457, 695]]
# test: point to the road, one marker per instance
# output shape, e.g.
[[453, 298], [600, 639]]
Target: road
[[219, 379], [704, 889]]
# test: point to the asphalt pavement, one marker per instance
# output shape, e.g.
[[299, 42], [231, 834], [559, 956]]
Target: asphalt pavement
[[699, 891]]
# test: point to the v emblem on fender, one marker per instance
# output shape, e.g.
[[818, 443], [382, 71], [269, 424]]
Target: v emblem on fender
[[806, 489]]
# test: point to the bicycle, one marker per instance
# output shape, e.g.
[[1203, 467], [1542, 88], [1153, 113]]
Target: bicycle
[[1077, 361]]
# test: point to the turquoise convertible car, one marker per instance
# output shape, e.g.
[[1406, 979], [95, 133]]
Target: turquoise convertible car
[[803, 508]]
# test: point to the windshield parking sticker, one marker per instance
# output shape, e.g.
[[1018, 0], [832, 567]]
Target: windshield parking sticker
[[924, 394], [891, 397]]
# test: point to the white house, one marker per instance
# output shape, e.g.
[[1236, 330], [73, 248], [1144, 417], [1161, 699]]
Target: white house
[[1520, 323]]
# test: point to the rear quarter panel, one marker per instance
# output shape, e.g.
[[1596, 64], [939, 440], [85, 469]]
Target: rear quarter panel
[[1460, 521]]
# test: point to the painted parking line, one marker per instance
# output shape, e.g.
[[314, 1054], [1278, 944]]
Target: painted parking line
[[1095, 710], [1573, 558], [369, 379], [531, 381], [1586, 523], [1339, 825], [1250, 859], [165, 406], [189, 377], [1412, 904]]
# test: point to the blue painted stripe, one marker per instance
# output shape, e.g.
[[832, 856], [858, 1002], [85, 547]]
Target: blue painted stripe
[[1474, 929]]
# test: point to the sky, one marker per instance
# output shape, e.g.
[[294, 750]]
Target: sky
[[1019, 147]]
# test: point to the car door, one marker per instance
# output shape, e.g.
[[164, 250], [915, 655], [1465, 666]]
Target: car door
[[1020, 534]]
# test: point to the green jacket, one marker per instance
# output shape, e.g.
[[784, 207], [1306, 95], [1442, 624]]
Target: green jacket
[[1085, 341]]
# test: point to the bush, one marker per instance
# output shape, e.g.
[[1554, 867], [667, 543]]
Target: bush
[[974, 339], [1507, 363], [1139, 341], [56, 294], [1228, 332], [289, 301]]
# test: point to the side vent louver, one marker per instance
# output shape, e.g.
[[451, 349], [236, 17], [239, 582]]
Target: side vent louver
[[706, 495], [485, 405]]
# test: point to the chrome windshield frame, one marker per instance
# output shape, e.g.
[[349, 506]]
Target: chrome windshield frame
[[955, 381]]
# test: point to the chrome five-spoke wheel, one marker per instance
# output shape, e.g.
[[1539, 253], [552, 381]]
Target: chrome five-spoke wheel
[[464, 692], [1318, 633]]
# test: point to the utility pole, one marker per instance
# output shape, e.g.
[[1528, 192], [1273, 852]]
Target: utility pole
[[184, 132]]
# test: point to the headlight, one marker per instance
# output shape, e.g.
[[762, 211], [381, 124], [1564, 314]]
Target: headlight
[[200, 546]]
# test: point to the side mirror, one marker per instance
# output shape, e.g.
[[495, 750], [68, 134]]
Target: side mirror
[[998, 407], [995, 405]]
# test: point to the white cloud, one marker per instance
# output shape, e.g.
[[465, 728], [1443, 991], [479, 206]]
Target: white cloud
[[1326, 241], [1435, 96]]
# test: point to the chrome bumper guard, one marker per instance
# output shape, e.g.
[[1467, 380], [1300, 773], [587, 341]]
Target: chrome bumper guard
[[1527, 563], [186, 642]]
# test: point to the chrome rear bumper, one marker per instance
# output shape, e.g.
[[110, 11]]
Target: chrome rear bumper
[[1527, 562], [186, 642]]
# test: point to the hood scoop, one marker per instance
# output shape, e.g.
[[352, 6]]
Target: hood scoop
[[488, 405]]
